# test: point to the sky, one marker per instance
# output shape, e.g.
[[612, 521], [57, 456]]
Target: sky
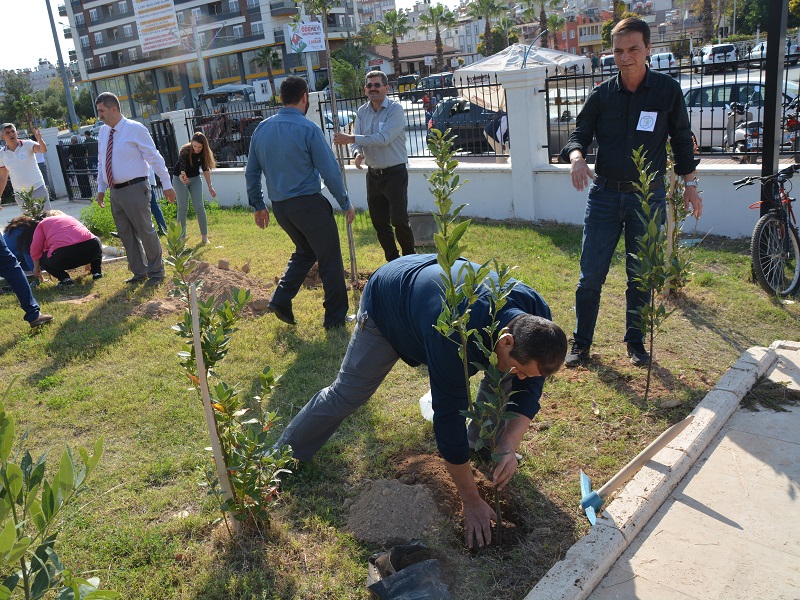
[[29, 21]]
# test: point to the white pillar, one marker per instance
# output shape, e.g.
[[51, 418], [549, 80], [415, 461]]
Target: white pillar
[[527, 123], [178, 120], [50, 137]]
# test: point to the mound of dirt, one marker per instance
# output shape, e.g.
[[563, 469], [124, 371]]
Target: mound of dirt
[[388, 512], [217, 282]]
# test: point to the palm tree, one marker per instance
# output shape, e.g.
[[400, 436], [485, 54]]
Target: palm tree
[[438, 17], [394, 24], [27, 108], [554, 23], [269, 57], [545, 43], [505, 26], [486, 9]]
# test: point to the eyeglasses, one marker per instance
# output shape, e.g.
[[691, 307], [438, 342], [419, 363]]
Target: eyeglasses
[[373, 85]]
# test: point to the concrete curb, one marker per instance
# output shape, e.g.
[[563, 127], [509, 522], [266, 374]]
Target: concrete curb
[[588, 561]]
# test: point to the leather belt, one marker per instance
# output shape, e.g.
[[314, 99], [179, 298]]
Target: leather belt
[[129, 182], [387, 170], [626, 186]]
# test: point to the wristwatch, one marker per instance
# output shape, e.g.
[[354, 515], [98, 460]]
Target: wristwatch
[[693, 183]]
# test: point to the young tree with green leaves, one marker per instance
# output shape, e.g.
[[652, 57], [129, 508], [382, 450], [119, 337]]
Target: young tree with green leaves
[[394, 24], [486, 10], [437, 18], [269, 57], [555, 23]]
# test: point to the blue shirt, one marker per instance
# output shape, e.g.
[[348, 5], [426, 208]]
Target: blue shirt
[[404, 298], [292, 154]]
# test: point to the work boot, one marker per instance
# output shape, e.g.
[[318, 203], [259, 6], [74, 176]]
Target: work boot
[[578, 355], [639, 356]]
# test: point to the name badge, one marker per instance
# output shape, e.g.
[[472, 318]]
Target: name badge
[[647, 121]]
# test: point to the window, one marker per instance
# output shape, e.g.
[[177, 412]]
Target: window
[[89, 62], [103, 60], [127, 30], [123, 6], [79, 19], [93, 14], [252, 3], [179, 17], [238, 32], [85, 42], [257, 28], [202, 38], [98, 38], [572, 34], [132, 54], [233, 6], [196, 14]]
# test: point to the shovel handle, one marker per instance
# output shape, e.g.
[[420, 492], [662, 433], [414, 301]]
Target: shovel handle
[[645, 455]]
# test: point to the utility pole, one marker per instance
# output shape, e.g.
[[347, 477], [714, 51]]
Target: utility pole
[[74, 122], [200, 64]]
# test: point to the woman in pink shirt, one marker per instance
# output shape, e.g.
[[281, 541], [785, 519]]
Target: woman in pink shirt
[[61, 242]]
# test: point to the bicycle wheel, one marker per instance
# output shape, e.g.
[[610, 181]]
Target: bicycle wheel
[[775, 254]]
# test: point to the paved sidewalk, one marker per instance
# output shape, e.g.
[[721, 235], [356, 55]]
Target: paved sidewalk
[[727, 527], [72, 208]]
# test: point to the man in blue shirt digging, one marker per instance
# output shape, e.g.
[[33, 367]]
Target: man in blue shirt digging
[[292, 154], [399, 308]]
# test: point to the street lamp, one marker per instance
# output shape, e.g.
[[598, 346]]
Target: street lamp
[[73, 117]]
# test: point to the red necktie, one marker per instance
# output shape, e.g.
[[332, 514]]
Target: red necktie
[[109, 150]]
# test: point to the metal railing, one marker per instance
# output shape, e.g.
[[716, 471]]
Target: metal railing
[[465, 110], [708, 94]]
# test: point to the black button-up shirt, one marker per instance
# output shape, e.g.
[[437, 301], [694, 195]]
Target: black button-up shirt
[[622, 121]]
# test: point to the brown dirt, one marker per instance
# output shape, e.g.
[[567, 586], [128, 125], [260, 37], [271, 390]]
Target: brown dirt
[[312, 280], [78, 299], [217, 282]]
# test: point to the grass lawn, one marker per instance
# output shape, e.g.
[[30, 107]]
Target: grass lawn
[[146, 528]]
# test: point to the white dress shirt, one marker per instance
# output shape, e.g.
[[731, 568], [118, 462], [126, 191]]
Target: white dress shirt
[[132, 151]]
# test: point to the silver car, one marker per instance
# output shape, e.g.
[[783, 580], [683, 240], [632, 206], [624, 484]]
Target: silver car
[[664, 61]]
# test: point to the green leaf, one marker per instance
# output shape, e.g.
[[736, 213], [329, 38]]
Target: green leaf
[[18, 550], [6, 438], [66, 475], [7, 538], [14, 476]]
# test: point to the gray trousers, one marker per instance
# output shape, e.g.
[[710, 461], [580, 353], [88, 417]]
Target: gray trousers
[[130, 207], [182, 191], [39, 193], [366, 364]]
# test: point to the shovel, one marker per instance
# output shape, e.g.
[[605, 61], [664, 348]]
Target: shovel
[[591, 501]]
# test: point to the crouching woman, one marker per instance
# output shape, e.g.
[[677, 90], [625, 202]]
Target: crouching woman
[[60, 243]]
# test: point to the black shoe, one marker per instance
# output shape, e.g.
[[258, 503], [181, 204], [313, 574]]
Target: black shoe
[[154, 281], [334, 325], [639, 356], [135, 279], [97, 276], [284, 313], [114, 234], [66, 282], [578, 355]]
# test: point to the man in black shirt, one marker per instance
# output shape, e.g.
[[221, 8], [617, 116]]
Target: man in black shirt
[[637, 107]]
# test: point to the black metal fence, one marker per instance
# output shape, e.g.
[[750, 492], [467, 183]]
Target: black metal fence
[[725, 103], [466, 110], [229, 130], [78, 162]]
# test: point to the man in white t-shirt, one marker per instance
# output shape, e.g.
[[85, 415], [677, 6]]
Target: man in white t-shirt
[[18, 161]]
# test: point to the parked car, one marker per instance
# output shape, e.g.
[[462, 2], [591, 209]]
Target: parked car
[[608, 65], [758, 54], [466, 122], [716, 56], [707, 105], [345, 117], [439, 85], [664, 61], [405, 83]]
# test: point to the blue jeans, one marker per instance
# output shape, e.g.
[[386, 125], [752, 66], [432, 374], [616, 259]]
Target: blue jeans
[[13, 274], [608, 214], [156, 210]]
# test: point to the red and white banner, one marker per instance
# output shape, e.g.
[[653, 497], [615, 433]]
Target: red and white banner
[[157, 24]]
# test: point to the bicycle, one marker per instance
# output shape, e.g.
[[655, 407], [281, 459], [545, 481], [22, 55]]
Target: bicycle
[[775, 245]]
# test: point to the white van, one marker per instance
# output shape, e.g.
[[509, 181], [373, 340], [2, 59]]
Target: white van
[[607, 65], [708, 106]]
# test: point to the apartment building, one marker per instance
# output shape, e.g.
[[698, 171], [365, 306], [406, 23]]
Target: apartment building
[[115, 53]]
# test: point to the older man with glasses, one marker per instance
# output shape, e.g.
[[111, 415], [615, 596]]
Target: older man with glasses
[[379, 139]]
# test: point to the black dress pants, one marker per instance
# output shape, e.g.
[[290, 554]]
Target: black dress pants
[[89, 252], [387, 199]]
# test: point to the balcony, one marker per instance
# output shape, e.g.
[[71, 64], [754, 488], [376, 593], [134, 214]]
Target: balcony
[[120, 39], [112, 17], [127, 62], [280, 36], [67, 33], [81, 26], [282, 8], [73, 56], [222, 42], [62, 10]]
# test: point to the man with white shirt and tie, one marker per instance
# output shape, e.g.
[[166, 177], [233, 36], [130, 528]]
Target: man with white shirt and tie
[[125, 148]]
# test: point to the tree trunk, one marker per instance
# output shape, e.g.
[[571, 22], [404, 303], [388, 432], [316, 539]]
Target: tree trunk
[[439, 52], [396, 57], [487, 38]]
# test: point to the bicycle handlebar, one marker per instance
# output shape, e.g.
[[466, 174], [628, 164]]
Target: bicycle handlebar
[[786, 172]]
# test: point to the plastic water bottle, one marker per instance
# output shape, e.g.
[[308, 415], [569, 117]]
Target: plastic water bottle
[[426, 406]]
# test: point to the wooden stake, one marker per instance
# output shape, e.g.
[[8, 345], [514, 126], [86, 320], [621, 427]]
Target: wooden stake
[[211, 421]]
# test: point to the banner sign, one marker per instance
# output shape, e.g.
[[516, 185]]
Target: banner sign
[[157, 24], [304, 37]]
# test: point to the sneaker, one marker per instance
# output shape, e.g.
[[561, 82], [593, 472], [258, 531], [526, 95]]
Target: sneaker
[[41, 320], [97, 276], [639, 356], [578, 354], [284, 313], [66, 282], [114, 234]]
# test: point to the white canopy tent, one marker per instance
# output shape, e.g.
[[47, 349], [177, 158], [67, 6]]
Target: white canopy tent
[[484, 71]]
